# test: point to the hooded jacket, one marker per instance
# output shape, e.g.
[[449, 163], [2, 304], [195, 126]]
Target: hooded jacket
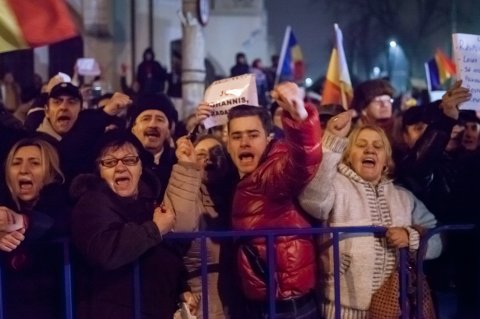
[[266, 199], [150, 74]]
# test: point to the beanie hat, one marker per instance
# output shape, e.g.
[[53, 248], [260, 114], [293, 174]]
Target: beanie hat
[[414, 115], [468, 116], [368, 90], [160, 102]]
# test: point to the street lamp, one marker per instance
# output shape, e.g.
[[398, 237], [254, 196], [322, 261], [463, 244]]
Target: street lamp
[[392, 52]]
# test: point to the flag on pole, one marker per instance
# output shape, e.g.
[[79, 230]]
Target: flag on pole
[[27, 24], [291, 66], [438, 70], [337, 88]]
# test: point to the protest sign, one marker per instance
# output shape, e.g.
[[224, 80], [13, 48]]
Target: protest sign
[[87, 67], [466, 48], [227, 93]]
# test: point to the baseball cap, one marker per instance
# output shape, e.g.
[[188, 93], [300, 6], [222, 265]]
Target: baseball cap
[[65, 88]]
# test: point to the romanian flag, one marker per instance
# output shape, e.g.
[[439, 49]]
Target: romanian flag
[[290, 65], [438, 70], [337, 88], [31, 23]]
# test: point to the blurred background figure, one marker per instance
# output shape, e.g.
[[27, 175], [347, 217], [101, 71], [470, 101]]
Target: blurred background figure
[[241, 65], [261, 81], [10, 92], [151, 75]]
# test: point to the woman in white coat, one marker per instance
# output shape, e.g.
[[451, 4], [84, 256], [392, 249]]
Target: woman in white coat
[[352, 188]]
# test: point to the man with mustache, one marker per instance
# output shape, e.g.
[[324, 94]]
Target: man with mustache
[[151, 120], [72, 130]]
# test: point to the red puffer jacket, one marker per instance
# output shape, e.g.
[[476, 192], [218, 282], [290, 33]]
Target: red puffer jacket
[[266, 199]]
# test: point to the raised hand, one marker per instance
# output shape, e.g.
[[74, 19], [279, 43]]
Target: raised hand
[[164, 218], [117, 103], [289, 96], [123, 69], [340, 124], [185, 151], [453, 97], [204, 110]]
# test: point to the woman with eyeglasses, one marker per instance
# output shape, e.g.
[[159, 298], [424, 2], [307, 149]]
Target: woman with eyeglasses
[[117, 222], [201, 187], [34, 211]]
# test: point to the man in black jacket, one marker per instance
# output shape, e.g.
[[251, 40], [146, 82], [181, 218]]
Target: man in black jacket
[[72, 130], [151, 119]]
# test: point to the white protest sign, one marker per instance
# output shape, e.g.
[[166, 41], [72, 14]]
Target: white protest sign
[[466, 48], [227, 93], [87, 67]]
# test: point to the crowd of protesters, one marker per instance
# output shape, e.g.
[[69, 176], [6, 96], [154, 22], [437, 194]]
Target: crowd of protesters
[[116, 174]]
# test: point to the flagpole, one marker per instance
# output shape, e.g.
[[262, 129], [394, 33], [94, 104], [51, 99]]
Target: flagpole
[[283, 52], [427, 75], [342, 63], [343, 95]]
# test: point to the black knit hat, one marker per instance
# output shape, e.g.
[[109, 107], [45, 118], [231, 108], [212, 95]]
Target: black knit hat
[[368, 90], [160, 102], [414, 115], [468, 116]]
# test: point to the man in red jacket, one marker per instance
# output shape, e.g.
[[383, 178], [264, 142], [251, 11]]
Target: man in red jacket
[[272, 175]]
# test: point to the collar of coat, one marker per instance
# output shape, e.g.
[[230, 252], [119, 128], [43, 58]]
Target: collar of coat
[[46, 127], [351, 174]]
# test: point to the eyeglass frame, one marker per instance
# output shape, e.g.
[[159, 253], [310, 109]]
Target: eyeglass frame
[[116, 160], [380, 99]]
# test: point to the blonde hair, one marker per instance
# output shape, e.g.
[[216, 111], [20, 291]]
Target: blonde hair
[[50, 163], [390, 165]]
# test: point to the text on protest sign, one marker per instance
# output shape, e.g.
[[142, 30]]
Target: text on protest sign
[[466, 48], [227, 93]]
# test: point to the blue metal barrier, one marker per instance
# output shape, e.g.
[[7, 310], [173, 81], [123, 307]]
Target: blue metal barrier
[[67, 280], [270, 236], [422, 249]]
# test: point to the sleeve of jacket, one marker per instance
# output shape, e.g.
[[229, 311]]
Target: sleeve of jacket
[[290, 170], [51, 217], [104, 239], [429, 147], [318, 197], [422, 218], [182, 195]]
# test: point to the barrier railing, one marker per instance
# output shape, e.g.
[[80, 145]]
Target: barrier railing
[[270, 236]]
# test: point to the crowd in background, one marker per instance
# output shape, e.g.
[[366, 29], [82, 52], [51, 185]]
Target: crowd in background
[[116, 172]]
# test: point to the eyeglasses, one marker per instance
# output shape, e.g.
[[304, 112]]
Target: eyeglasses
[[383, 99], [127, 160]]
